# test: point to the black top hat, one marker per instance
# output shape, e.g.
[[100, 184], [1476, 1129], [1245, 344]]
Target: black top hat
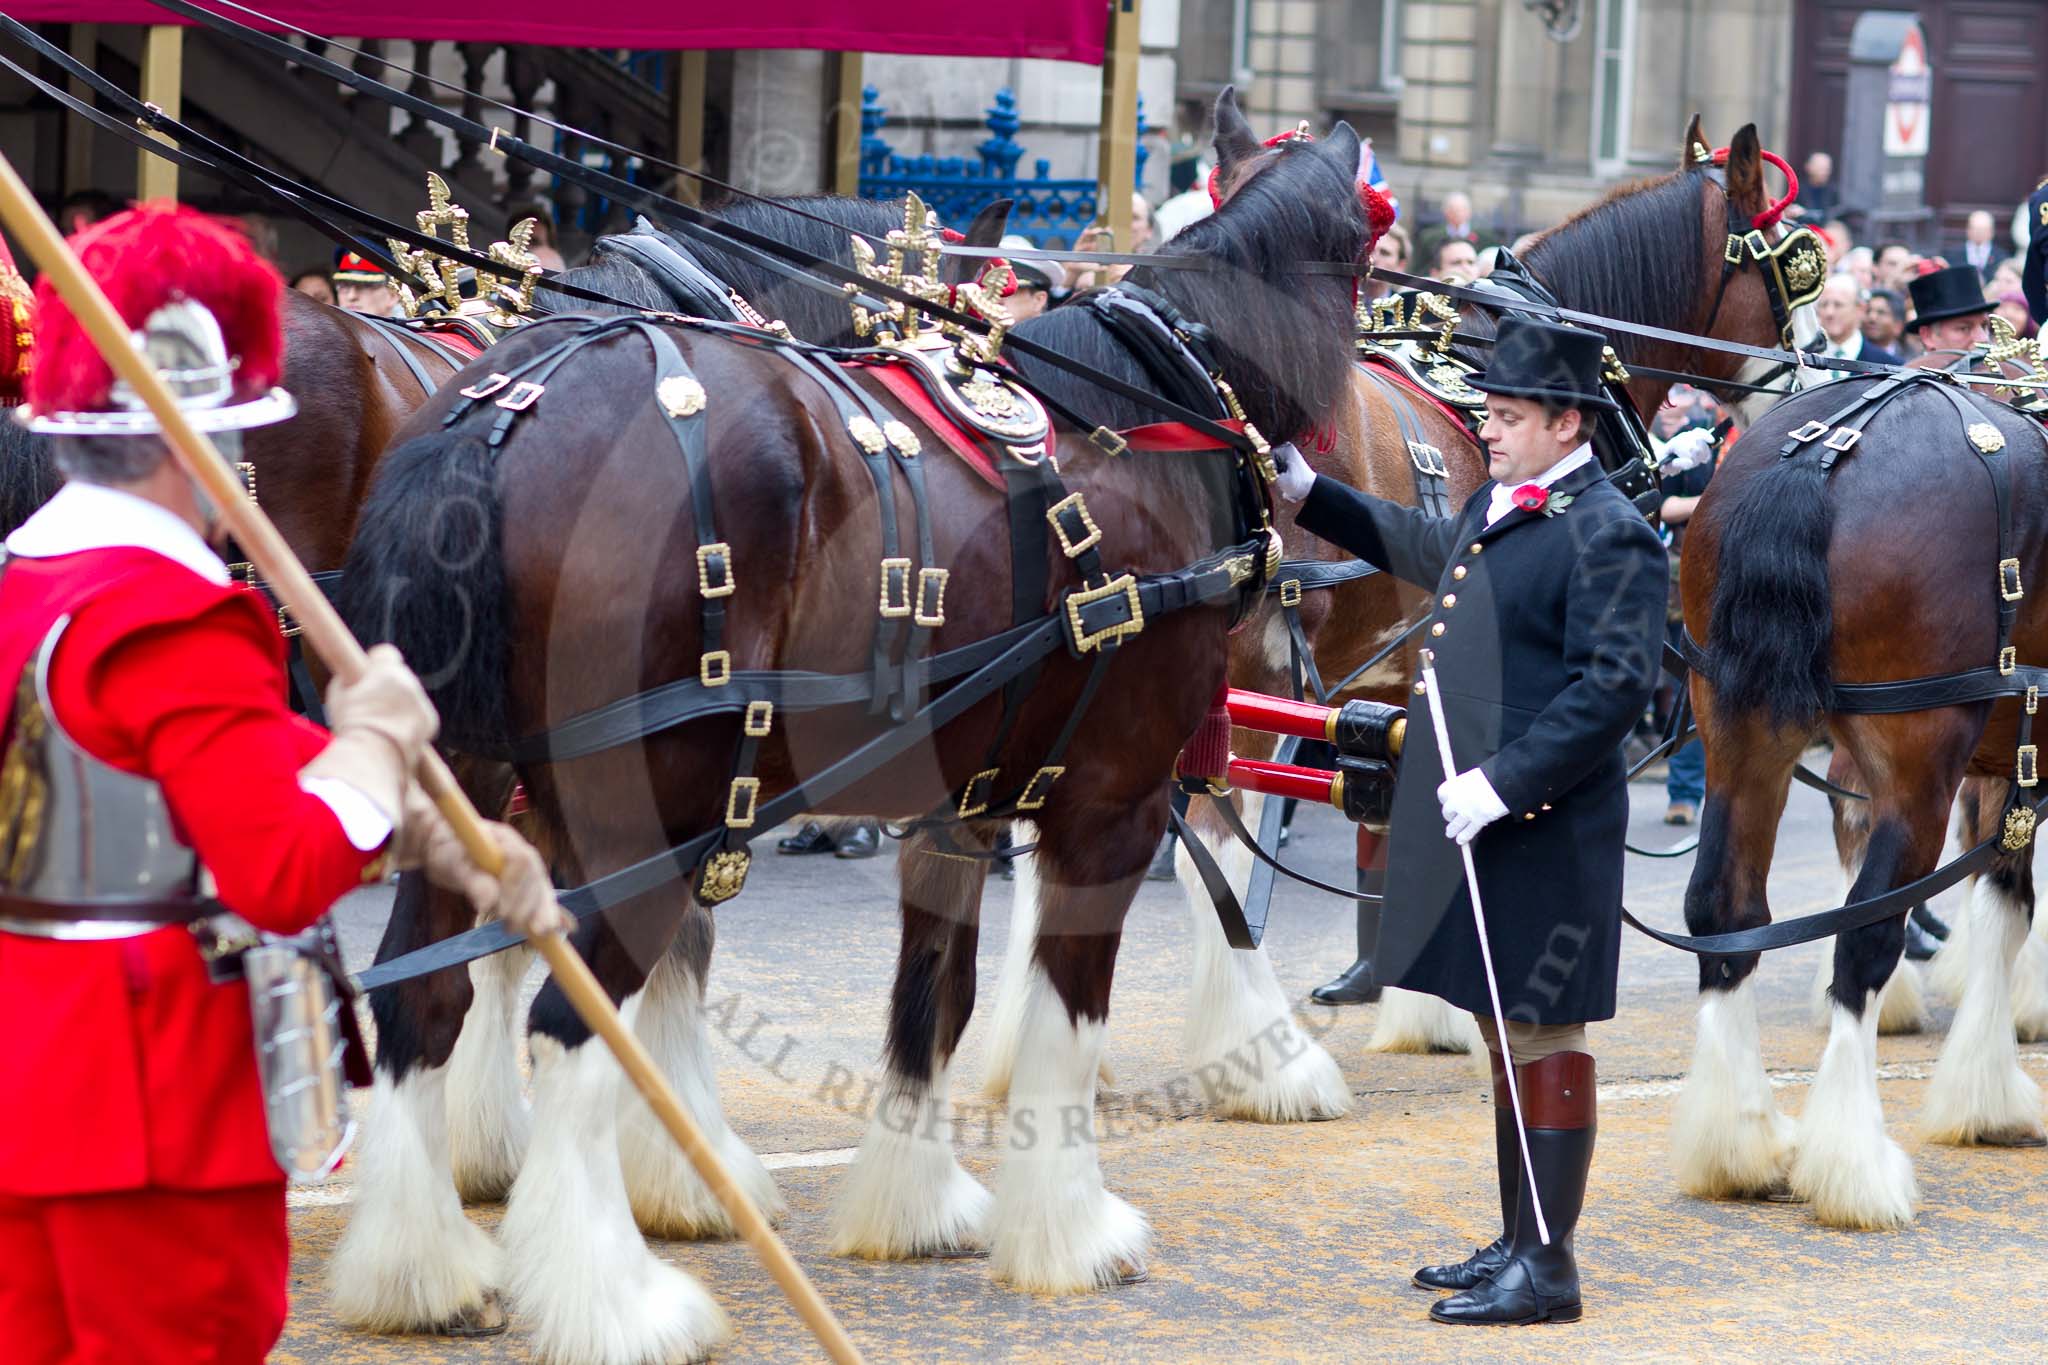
[[1546, 362], [1953, 292]]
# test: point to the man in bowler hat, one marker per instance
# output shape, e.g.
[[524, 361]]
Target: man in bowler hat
[[1546, 624]]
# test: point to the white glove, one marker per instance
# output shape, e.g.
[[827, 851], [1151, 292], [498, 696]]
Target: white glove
[[1689, 449], [1470, 805], [1295, 475]]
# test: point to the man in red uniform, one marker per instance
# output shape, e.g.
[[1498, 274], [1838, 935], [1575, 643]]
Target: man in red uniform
[[153, 779]]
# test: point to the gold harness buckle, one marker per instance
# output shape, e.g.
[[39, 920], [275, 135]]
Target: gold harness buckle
[[895, 588], [1809, 431], [1076, 504], [715, 668], [2028, 764], [2008, 660], [1039, 788], [760, 716], [931, 598], [980, 788], [1123, 584], [1290, 593], [1108, 442], [1843, 439], [741, 802], [723, 553], [2009, 580]]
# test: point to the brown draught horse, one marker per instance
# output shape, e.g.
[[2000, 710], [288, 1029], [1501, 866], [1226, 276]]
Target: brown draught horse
[[1800, 579], [559, 570], [1651, 252]]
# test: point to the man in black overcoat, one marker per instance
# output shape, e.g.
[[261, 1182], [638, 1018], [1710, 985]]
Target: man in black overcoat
[[1546, 628]]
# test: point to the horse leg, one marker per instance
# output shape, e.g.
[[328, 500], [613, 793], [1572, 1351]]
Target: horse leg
[[576, 1263], [1902, 1005], [1006, 1019], [488, 1120], [1845, 1164], [1728, 1139], [1236, 1008], [1979, 1093], [409, 1261], [1949, 973], [906, 1194], [1055, 1229], [669, 1199], [1417, 1022], [489, 1123]]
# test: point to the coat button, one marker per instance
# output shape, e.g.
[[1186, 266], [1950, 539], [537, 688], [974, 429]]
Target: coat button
[[1476, 547], [1450, 600], [1421, 689], [1545, 806], [1437, 629], [1530, 816], [1459, 572]]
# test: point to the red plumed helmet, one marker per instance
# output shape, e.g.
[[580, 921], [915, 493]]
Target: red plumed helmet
[[204, 306], [1379, 213]]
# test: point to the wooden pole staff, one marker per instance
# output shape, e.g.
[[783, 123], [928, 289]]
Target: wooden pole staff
[[324, 630]]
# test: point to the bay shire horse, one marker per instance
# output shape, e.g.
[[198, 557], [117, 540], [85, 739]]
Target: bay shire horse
[[559, 571], [1651, 252], [1810, 571]]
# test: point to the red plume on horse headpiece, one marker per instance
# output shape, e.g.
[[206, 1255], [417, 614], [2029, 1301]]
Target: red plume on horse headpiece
[[1379, 210], [17, 330], [145, 259]]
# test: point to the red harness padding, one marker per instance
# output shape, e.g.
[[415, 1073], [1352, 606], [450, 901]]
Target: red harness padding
[[912, 395], [460, 340], [1172, 436], [1393, 372]]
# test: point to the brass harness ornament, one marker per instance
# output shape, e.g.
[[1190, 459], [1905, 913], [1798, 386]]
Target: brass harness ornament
[[507, 305]]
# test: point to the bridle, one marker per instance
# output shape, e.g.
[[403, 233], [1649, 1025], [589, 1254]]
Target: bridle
[[1793, 267]]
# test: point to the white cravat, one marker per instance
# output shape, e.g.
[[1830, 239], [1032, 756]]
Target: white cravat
[[1503, 496]]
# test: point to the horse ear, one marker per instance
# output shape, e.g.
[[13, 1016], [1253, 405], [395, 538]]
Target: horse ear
[[1694, 151], [1344, 145], [987, 228], [1745, 170], [1234, 137]]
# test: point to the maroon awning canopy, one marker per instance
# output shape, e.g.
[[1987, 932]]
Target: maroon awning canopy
[[1063, 30]]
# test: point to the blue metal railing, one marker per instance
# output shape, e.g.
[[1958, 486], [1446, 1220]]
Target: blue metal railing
[[1051, 212]]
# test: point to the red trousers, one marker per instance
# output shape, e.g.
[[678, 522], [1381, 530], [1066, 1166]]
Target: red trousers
[[165, 1276]]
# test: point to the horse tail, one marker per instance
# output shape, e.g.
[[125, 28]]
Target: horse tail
[[426, 572], [1770, 641]]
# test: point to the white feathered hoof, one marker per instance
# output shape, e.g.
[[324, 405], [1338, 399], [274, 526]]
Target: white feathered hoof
[[669, 1200], [1902, 1007], [1410, 1021], [905, 1198], [1066, 1241], [409, 1260], [1728, 1139], [1845, 1165], [1279, 1075], [583, 1281], [1979, 1094]]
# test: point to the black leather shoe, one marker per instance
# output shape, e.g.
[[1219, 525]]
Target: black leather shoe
[[1485, 1263], [1920, 945], [864, 842], [1929, 921], [1540, 1283], [1357, 984], [812, 838]]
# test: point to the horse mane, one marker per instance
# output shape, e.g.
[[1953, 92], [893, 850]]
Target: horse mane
[[1637, 254], [633, 287], [28, 474], [1282, 337], [814, 314]]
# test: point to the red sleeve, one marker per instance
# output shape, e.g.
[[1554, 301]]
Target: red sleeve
[[198, 705]]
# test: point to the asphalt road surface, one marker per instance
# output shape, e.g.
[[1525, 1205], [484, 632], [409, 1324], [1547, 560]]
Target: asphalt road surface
[[1282, 1243]]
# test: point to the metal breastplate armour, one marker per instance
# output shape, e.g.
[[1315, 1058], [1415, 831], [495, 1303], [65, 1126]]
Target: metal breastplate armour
[[75, 830]]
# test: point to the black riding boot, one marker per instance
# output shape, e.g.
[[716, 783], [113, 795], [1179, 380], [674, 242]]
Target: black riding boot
[[1480, 1266], [1359, 984], [1541, 1283]]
